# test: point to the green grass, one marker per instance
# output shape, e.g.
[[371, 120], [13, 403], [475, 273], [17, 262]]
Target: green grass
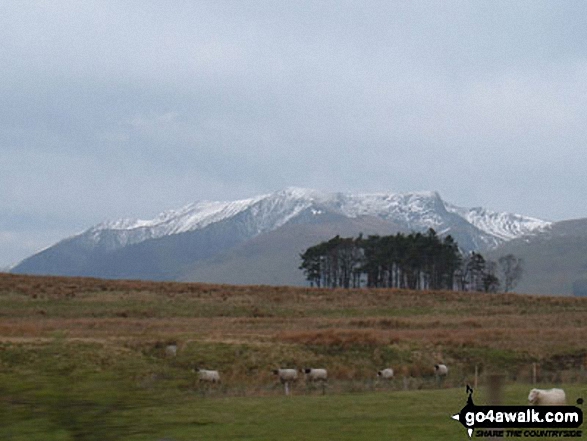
[[96, 410], [341, 417]]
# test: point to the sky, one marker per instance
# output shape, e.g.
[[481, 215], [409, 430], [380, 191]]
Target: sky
[[113, 109]]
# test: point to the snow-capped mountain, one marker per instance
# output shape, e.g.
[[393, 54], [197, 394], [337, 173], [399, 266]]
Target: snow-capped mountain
[[415, 211], [176, 239]]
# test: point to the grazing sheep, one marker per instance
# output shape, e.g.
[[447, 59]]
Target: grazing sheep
[[441, 370], [208, 376], [171, 350], [550, 397], [286, 375], [386, 374], [315, 374]]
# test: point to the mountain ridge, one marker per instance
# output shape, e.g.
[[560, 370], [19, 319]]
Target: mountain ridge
[[396, 206], [174, 243]]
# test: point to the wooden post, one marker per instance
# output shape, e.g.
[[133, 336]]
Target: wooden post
[[494, 386], [286, 384], [494, 393], [534, 373]]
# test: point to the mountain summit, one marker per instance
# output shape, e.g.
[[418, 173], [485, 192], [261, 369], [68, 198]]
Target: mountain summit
[[180, 244]]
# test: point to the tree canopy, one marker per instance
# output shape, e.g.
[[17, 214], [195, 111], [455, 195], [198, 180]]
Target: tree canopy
[[413, 261]]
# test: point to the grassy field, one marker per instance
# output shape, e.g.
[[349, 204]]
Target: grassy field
[[84, 359]]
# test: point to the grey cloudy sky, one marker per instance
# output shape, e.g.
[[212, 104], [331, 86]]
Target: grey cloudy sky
[[114, 109]]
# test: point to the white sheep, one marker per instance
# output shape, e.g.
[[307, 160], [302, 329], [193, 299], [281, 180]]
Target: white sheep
[[441, 370], [171, 350], [315, 374], [286, 375], [550, 397], [208, 376], [386, 374]]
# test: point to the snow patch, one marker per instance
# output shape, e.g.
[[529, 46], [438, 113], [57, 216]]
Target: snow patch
[[416, 210]]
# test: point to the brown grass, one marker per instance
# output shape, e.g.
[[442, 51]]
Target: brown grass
[[415, 328]]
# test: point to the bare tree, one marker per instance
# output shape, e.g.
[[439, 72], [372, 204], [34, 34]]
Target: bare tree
[[511, 269], [489, 280]]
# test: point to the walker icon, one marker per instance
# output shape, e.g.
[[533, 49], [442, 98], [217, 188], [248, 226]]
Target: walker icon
[[461, 416]]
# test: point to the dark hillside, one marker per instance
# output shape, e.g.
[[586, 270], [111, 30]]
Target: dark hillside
[[274, 258], [553, 260]]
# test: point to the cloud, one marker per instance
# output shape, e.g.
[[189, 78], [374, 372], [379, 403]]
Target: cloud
[[124, 109]]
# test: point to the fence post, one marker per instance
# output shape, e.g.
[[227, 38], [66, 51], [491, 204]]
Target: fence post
[[494, 392]]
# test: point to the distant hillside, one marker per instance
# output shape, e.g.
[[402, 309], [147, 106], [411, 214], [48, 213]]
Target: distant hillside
[[553, 259], [274, 258]]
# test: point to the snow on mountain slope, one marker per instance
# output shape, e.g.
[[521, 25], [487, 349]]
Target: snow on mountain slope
[[188, 218], [416, 211], [504, 226], [265, 213]]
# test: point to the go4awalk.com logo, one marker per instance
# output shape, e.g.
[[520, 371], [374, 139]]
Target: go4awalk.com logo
[[520, 421]]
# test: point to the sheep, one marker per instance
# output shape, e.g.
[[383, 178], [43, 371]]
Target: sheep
[[386, 374], [286, 376], [208, 376], [315, 374], [550, 397], [441, 370], [171, 350]]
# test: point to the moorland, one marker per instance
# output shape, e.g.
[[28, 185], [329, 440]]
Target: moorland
[[85, 358]]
